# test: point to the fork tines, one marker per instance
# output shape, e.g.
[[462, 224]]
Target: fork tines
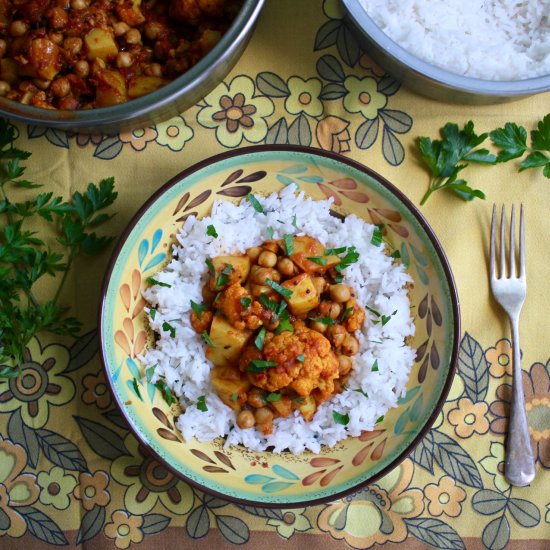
[[514, 272]]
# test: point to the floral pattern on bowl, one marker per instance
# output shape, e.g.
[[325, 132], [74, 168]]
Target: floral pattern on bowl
[[268, 479]]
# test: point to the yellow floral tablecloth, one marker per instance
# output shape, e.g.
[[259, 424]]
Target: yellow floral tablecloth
[[72, 475]]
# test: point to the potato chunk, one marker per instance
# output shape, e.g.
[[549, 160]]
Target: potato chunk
[[228, 342], [100, 43], [230, 385], [111, 88], [307, 407], [305, 247], [229, 270], [142, 85], [304, 296]]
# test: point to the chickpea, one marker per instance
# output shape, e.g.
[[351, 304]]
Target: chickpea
[[257, 290], [42, 84], [73, 45], [337, 334], [82, 68], [3, 47], [207, 294], [120, 28], [318, 326], [18, 28], [245, 419], [152, 30], [330, 309], [350, 346], [264, 415], [79, 4], [263, 273], [272, 246], [255, 398], [124, 59], [154, 69], [68, 103], [133, 36], [320, 284], [4, 88], [254, 252], [267, 258], [344, 364], [61, 87], [285, 267], [56, 37], [58, 18], [340, 293]]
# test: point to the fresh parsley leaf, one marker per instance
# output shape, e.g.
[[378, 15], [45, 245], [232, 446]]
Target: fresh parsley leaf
[[373, 311], [222, 280], [351, 257], [152, 281], [273, 397], [210, 266], [269, 233], [540, 138], [284, 323], [268, 303], [167, 327], [301, 358], [289, 243], [377, 236], [259, 340], [257, 365], [255, 203], [512, 140], [285, 292], [246, 302], [323, 320], [207, 339], [198, 308], [211, 231], [319, 260], [335, 251], [385, 319], [342, 419], [380, 419], [166, 392], [201, 404]]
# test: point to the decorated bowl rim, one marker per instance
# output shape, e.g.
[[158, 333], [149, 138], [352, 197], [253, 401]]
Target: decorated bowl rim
[[449, 279]]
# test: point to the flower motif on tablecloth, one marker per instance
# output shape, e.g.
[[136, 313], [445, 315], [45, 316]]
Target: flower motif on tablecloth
[[83, 140], [139, 138], [499, 358], [96, 391], [292, 520], [536, 387], [174, 133], [363, 96], [92, 489], [445, 497], [56, 487], [124, 528], [304, 96], [148, 482], [17, 488], [493, 464], [376, 514], [40, 384], [333, 134], [469, 418], [236, 113]]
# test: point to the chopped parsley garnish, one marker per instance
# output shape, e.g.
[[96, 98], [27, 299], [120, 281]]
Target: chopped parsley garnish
[[377, 236], [246, 302], [301, 358], [216, 297], [287, 293], [268, 303], [201, 403], [259, 341], [294, 222], [227, 270], [207, 339], [166, 326], [136, 388], [167, 394], [211, 267], [198, 308], [211, 231], [318, 260], [374, 366], [330, 251], [380, 419], [257, 365], [324, 320], [348, 311], [340, 418], [222, 280], [359, 390], [152, 313], [298, 399], [386, 318], [152, 281], [234, 397], [396, 254], [255, 203], [373, 311], [273, 397], [339, 278], [284, 323], [289, 243], [269, 233], [350, 258]]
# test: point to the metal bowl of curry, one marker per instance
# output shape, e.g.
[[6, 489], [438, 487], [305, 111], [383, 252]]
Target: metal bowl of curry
[[92, 65]]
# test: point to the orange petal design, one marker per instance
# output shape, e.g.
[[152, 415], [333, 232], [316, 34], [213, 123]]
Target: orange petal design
[[356, 196], [361, 455], [379, 450], [321, 462], [125, 296], [167, 434], [202, 456], [128, 328], [391, 215], [139, 344], [139, 307], [401, 230], [367, 436], [162, 417], [344, 183], [330, 476], [375, 218], [330, 193], [214, 469], [122, 341], [312, 478], [136, 282]]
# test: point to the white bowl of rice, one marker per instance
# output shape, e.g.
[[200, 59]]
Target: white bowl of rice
[[164, 370], [460, 51]]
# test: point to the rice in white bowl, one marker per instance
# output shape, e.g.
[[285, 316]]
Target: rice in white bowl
[[379, 283], [488, 39]]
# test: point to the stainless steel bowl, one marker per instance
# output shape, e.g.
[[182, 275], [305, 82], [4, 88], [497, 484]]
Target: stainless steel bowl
[[168, 101], [427, 79]]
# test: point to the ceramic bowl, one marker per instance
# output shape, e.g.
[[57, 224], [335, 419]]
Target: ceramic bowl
[[267, 479]]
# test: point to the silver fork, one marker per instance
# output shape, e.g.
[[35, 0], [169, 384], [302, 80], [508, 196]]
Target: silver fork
[[509, 291]]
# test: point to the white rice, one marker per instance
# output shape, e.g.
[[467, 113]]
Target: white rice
[[488, 39], [378, 283]]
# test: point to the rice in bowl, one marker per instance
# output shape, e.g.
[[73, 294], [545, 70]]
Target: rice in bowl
[[381, 367]]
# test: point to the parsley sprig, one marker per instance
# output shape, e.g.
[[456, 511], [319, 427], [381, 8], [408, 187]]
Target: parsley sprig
[[26, 258]]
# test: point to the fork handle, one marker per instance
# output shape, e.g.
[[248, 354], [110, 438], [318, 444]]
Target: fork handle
[[520, 464]]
